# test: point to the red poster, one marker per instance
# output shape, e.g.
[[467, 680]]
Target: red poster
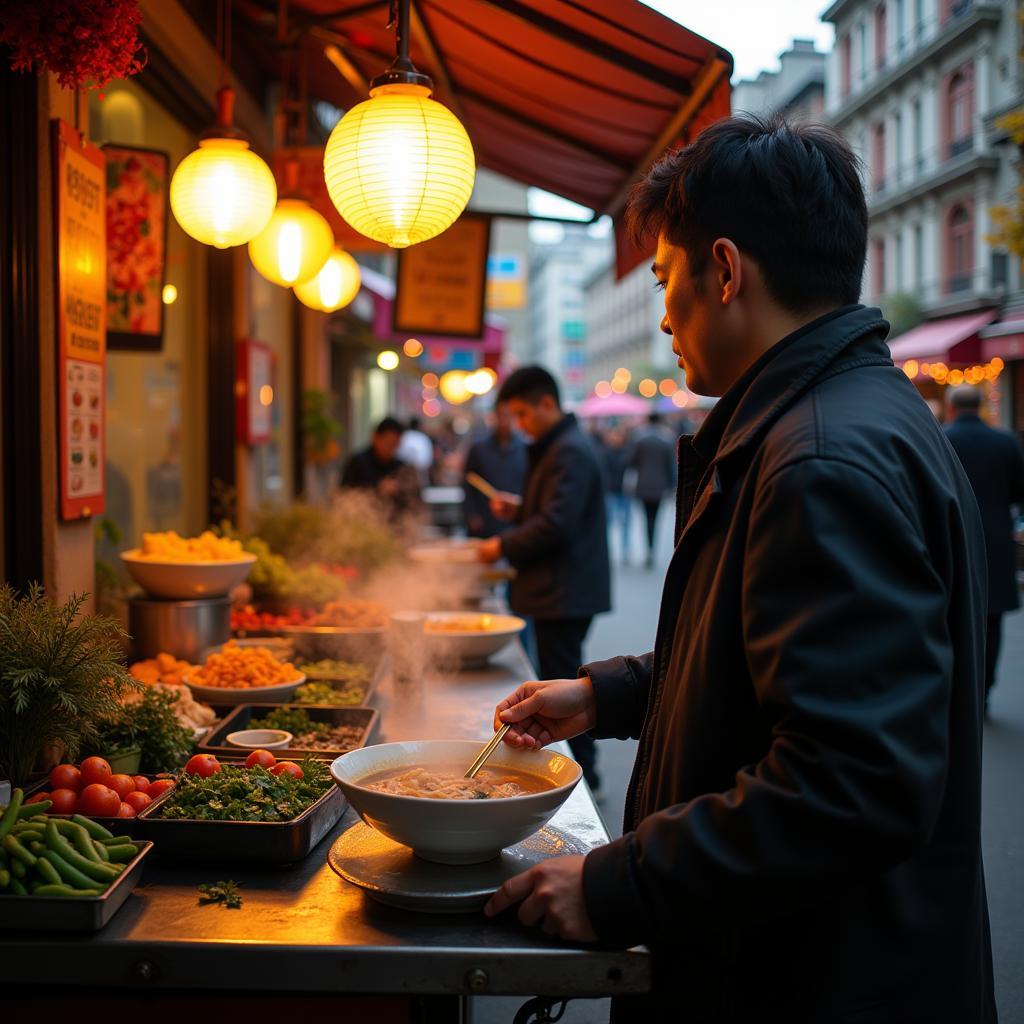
[[80, 243]]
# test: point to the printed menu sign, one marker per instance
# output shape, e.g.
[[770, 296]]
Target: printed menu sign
[[80, 237]]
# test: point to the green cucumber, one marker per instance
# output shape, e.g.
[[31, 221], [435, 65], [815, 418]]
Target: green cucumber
[[101, 851], [96, 870], [18, 869], [48, 872], [60, 889], [10, 816], [5, 878], [122, 854], [80, 839], [18, 887], [16, 850], [39, 808], [94, 829], [68, 872]]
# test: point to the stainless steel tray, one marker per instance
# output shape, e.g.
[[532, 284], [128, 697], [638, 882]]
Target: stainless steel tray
[[77, 913], [364, 718], [254, 842]]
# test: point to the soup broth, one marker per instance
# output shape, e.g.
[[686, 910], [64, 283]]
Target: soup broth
[[447, 782]]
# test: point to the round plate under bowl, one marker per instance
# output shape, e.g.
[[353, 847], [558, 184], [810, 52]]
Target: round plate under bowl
[[245, 695], [394, 875]]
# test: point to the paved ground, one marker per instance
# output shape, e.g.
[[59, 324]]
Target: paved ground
[[630, 629]]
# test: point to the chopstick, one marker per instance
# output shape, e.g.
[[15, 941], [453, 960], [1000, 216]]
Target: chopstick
[[487, 751], [477, 481]]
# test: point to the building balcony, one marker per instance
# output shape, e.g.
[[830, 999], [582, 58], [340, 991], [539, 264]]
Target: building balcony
[[980, 288], [975, 14], [898, 190]]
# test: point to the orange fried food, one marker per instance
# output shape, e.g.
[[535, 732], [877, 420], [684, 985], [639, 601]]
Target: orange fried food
[[352, 613], [239, 668]]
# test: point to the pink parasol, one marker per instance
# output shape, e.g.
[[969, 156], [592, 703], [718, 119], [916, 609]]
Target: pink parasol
[[613, 405]]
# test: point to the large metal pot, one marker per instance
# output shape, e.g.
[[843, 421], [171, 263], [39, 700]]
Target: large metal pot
[[184, 629]]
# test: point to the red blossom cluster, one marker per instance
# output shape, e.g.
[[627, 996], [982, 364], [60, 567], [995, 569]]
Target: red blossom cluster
[[85, 43], [133, 249]]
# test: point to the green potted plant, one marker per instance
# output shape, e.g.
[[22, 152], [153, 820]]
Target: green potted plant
[[145, 734], [60, 674]]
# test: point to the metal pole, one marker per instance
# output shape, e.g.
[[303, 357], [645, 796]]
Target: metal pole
[[402, 29]]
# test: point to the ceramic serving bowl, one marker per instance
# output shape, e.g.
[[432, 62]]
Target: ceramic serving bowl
[[470, 646], [454, 831], [260, 739], [184, 580], [278, 694]]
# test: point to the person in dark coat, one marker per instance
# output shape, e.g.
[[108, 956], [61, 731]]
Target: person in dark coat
[[653, 456], [559, 543], [377, 468], [994, 464], [802, 836], [500, 458]]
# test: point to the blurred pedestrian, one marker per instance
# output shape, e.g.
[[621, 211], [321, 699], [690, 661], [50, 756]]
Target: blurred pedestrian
[[377, 468], [994, 464], [417, 450], [558, 544], [653, 456], [500, 458], [618, 503]]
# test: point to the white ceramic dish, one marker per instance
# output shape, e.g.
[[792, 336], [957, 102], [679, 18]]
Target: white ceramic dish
[[454, 831], [260, 739], [184, 580], [471, 646], [248, 695], [458, 552]]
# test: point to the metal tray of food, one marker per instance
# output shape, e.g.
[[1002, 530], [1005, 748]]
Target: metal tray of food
[[251, 842], [350, 643], [376, 671], [73, 913], [365, 720]]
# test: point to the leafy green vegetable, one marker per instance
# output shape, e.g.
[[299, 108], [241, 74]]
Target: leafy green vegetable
[[60, 673], [221, 892], [151, 724], [293, 720], [236, 793]]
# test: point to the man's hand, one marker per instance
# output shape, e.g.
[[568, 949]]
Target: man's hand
[[387, 487], [489, 550], [549, 894], [505, 505], [542, 712]]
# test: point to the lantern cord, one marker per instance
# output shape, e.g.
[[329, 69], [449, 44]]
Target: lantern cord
[[224, 38]]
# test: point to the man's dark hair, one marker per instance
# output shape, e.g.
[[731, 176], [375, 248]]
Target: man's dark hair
[[965, 399], [531, 384], [389, 425], [414, 423], [788, 195], [654, 417]]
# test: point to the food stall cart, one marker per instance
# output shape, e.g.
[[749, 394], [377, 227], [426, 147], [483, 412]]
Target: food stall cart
[[302, 932]]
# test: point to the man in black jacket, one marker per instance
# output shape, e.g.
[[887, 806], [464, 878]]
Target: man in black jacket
[[559, 543], [994, 464], [802, 840]]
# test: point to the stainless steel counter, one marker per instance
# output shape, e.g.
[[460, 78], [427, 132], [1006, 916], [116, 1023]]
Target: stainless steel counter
[[303, 929]]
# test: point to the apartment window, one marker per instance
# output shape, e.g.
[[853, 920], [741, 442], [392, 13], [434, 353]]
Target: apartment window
[[919, 258], [878, 267], [863, 47], [917, 127], [880, 29], [901, 27], [878, 156], [897, 146], [960, 112], [845, 66], [959, 247]]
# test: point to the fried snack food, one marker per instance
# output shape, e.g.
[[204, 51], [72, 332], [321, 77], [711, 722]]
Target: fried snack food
[[352, 613], [239, 668], [207, 547]]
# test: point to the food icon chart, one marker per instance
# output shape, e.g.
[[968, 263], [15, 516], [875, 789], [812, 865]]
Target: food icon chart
[[83, 428]]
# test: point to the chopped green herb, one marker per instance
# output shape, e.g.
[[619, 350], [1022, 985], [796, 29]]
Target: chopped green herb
[[221, 892]]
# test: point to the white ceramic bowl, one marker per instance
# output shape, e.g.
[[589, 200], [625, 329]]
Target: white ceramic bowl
[[279, 694], [260, 739], [453, 552], [454, 831], [183, 580], [471, 646]]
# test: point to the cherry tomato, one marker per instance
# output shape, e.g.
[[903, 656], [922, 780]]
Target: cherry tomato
[[138, 800], [66, 776], [160, 786], [141, 783], [38, 798], [264, 758], [95, 770], [203, 765], [98, 801], [65, 801], [125, 810], [287, 768], [122, 785]]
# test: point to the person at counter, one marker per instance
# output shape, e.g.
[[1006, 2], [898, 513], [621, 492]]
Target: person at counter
[[558, 544], [500, 458], [378, 468], [802, 839]]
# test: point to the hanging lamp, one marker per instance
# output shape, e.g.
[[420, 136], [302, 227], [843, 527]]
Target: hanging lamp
[[335, 286], [399, 166], [297, 240], [222, 193]]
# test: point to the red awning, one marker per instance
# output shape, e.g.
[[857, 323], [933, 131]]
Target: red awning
[[952, 340], [1004, 339], [578, 97]]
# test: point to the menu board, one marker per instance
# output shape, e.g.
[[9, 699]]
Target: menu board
[[442, 282], [81, 248]]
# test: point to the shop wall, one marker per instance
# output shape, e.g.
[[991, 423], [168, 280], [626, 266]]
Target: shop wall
[[156, 401]]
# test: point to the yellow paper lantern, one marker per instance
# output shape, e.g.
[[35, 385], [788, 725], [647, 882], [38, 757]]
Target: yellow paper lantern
[[453, 387], [294, 245], [388, 360], [223, 194], [399, 166], [334, 287]]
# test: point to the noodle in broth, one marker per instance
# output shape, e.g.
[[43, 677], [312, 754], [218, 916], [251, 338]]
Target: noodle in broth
[[446, 782]]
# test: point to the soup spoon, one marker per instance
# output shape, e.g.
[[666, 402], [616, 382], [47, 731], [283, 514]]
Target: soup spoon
[[489, 749]]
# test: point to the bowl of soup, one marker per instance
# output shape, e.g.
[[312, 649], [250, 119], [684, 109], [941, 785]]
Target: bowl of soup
[[414, 793], [469, 638]]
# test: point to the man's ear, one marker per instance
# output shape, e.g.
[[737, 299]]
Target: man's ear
[[729, 266]]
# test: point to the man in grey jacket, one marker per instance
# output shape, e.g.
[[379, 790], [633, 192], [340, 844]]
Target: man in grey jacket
[[653, 456]]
